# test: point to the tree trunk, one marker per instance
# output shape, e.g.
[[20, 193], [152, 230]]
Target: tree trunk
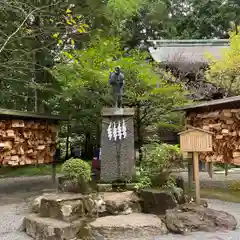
[[138, 132], [68, 140], [39, 68]]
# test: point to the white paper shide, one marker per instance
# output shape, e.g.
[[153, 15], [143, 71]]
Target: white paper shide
[[117, 130]]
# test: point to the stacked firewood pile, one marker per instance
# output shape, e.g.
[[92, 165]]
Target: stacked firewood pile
[[26, 142], [225, 126]]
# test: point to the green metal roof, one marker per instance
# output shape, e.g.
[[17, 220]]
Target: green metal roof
[[187, 55], [191, 41]]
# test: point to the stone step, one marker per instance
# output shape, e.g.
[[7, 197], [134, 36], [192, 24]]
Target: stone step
[[51, 229], [65, 206], [134, 226]]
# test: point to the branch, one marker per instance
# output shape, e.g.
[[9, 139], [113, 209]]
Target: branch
[[21, 25]]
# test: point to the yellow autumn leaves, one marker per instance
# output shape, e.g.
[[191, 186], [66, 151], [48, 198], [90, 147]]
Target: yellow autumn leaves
[[225, 72]]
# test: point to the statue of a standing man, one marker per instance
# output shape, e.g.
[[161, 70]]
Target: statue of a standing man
[[116, 80]]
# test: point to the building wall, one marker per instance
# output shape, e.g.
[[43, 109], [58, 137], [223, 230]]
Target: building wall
[[25, 142], [225, 126]]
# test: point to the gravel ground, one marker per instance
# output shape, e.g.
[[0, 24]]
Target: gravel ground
[[12, 215], [15, 192], [10, 222]]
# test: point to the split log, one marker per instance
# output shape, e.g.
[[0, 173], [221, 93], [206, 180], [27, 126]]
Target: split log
[[26, 142], [18, 124], [225, 126]]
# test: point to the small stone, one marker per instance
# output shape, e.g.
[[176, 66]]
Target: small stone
[[36, 204]]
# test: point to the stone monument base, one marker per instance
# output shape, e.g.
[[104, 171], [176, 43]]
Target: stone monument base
[[117, 144]]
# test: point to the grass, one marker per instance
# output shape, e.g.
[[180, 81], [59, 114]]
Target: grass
[[28, 171], [220, 194]]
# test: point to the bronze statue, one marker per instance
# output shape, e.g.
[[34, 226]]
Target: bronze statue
[[116, 80]]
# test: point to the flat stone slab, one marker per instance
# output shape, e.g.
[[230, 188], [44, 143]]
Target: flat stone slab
[[133, 226], [64, 206], [191, 217], [51, 229], [59, 197]]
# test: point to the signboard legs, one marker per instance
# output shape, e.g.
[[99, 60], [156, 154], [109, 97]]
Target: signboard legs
[[196, 176], [210, 169], [190, 173]]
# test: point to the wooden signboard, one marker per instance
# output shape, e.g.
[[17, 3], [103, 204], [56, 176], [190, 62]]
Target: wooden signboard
[[196, 140]]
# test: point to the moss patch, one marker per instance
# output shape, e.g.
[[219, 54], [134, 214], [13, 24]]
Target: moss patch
[[220, 194]]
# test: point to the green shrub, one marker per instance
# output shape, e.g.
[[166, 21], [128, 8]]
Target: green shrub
[[143, 180], [77, 170], [156, 165], [160, 157]]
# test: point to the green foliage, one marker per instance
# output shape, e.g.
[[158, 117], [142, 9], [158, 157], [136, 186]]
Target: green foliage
[[84, 76], [159, 157], [77, 171], [157, 162], [41, 29], [28, 56], [225, 72], [143, 181]]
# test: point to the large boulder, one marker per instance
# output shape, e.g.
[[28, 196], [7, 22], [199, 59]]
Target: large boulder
[[117, 203], [66, 207], [191, 217], [134, 226], [157, 201], [35, 203], [121, 203], [51, 229]]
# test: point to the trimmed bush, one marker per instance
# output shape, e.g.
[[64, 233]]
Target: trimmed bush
[[77, 171]]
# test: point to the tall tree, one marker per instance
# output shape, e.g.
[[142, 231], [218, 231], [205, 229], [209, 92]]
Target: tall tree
[[225, 72], [28, 49], [85, 82]]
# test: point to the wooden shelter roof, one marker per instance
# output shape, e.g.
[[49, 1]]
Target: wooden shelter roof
[[187, 55], [8, 113], [194, 129], [230, 102]]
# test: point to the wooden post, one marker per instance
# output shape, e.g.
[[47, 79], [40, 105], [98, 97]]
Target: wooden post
[[196, 176], [54, 163], [196, 140], [193, 163], [226, 169], [190, 174], [210, 169]]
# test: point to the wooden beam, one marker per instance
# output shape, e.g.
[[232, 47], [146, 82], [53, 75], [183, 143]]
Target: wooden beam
[[8, 113]]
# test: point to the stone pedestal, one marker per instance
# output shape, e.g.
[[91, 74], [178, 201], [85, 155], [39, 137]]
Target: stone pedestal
[[117, 155]]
